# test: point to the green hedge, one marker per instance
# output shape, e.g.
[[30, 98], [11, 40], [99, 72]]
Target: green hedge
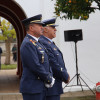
[[11, 66]]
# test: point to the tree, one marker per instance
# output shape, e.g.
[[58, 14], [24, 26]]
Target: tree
[[8, 34], [75, 9]]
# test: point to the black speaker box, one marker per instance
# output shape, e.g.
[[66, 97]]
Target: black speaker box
[[73, 35]]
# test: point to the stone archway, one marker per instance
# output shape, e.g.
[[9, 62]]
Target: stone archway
[[12, 11]]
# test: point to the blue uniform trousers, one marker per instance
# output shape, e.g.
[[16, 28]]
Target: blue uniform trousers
[[37, 96], [53, 97]]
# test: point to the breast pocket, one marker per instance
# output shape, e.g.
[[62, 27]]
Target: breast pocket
[[42, 56], [57, 56]]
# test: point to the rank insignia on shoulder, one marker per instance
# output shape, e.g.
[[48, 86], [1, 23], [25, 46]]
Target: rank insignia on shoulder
[[54, 48], [33, 41]]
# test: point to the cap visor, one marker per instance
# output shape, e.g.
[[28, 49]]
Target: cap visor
[[39, 23], [54, 25]]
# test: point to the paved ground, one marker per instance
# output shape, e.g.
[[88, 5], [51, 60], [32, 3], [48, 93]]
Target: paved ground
[[9, 87], [9, 83], [3, 60]]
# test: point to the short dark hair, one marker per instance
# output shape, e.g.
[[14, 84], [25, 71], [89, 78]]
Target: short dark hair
[[27, 26]]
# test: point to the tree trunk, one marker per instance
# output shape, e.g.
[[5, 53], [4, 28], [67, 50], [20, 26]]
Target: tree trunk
[[7, 45]]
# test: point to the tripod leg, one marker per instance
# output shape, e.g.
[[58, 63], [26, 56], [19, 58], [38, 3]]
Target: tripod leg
[[70, 81], [80, 82], [87, 86]]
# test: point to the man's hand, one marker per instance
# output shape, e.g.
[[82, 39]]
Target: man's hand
[[68, 79], [50, 85]]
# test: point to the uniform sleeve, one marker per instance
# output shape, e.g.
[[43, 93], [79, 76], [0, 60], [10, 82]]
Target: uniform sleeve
[[30, 58], [58, 71]]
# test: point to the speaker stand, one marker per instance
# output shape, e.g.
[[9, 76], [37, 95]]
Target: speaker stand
[[77, 75]]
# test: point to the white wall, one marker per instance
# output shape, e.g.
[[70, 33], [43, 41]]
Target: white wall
[[88, 48]]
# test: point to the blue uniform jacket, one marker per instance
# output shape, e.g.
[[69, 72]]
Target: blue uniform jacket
[[36, 70], [58, 66]]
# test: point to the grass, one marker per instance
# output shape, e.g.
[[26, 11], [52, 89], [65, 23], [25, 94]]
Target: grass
[[6, 67]]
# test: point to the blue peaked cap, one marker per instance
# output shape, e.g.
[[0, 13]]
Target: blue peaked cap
[[50, 22], [35, 19]]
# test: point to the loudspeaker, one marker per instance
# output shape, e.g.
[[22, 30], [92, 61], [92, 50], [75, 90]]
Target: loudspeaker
[[73, 35]]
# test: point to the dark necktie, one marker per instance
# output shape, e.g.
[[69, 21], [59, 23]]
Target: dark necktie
[[54, 43]]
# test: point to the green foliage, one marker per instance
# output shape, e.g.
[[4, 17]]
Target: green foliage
[[75, 9], [6, 67], [8, 32]]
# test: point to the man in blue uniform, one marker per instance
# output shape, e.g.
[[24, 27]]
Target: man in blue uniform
[[55, 59], [36, 71]]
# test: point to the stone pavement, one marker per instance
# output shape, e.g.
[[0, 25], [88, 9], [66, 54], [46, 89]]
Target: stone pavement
[[9, 87], [11, 60], [9, 83], [10, 97]]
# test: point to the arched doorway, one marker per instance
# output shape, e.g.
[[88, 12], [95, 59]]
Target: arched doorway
[[12, 11]]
